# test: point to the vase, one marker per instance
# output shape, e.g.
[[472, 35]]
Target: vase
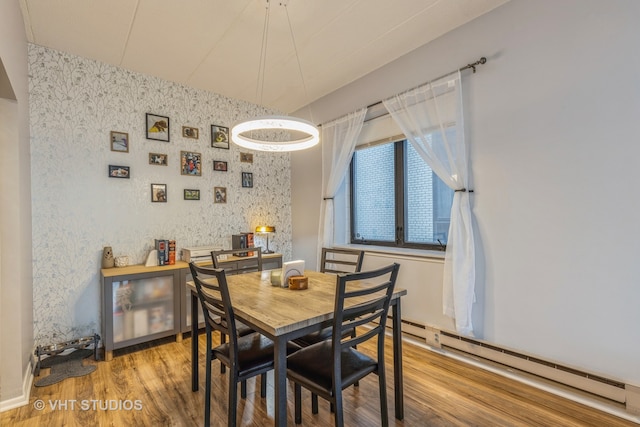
[[107, 257]]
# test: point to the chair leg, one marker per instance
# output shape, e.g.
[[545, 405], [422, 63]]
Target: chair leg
[[207, 391], [382, 384], [314, 403], [338, 415], [353, 335], [243, 389], [223, 339], [233, 399], [263, 385], [298, 403], [207, 387]]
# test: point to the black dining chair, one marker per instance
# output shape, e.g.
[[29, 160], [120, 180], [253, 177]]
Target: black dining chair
[[328, 367], [237, 265], [334, 261], [246, 356], [338, 260]]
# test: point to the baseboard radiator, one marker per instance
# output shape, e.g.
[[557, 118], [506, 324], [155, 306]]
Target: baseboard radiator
[[607, 388]]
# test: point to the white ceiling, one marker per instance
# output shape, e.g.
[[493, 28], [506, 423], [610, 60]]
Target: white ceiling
[[215, 44]]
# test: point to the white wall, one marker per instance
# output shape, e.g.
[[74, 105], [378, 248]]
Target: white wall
[[16, 292], [553, 132]]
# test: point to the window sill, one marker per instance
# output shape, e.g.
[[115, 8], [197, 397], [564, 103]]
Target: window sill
[[405, 252]]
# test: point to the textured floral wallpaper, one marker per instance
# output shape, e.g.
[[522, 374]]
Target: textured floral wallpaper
[[77, 209]]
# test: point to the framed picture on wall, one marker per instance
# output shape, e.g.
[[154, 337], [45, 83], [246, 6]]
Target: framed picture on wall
[[119, 171], [119, 141], [157, 127], [190, 163], [158, 159], [219, 194], [247, 179], [190, 194], [219, 165], [219, 137], [159, 193], [189, 132], [246, 157]]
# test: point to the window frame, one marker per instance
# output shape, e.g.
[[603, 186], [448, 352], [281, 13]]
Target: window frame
[[400, 211]]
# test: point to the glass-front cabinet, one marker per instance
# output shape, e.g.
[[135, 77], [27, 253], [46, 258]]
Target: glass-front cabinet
[[139, 305]]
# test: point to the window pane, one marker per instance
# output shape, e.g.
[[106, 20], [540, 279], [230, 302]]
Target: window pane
[[374, 194], [428, 201]]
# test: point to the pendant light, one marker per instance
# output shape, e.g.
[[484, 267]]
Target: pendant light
[[275, 133]]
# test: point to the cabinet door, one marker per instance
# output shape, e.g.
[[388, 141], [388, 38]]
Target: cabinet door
[[142, 307]]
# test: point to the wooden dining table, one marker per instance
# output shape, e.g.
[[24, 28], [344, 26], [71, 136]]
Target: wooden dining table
[[282, 315]]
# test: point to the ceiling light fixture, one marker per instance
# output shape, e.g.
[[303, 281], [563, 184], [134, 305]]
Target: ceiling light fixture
[[275, 133]]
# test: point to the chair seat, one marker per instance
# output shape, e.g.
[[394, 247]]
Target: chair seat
[[255, 353], [311, 366], [243, 329], [319, 336]]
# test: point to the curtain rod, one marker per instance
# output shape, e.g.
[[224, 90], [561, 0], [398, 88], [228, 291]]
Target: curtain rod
[[473, 66]]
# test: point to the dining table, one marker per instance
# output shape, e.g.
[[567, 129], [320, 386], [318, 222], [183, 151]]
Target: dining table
[[284, 314]]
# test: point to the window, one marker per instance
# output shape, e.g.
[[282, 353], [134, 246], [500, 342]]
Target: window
[[396, 199]]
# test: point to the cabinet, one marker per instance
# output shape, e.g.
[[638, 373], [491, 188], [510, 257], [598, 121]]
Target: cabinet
[[269, 262], [140, 304]]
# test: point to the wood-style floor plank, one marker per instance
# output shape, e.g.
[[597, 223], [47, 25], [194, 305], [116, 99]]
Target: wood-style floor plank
[[439, 391]]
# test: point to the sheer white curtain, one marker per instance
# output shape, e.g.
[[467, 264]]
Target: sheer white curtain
[[431, 118], [338, 141]]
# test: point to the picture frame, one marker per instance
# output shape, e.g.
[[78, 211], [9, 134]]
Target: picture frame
[[190, 163], [220, 137], [159, 193], [158, 159], [116, 171], [191, 194], [119, 141], [190, 132], [247, 180], [246, 157], [219, 194], [157, 127], [219, 165]]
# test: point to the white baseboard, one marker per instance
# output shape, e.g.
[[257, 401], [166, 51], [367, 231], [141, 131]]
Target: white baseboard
[[23, 399]]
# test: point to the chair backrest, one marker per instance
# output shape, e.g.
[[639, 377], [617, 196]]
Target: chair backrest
[[341, 260], [213, 293], [238, 265], [376, 287]]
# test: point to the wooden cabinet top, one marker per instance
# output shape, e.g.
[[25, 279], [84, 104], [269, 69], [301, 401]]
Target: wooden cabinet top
[[141, 268]]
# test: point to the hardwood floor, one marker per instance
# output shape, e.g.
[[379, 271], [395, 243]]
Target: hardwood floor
[[152, 387]]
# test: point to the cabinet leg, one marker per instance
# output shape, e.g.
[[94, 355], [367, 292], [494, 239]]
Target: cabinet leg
[[108, 355], [179, 337]]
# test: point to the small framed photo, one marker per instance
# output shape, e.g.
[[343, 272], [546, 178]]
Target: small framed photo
[[157, 127], [119, 171], [190, 163], [119, 141], [219, 165], [219, 137], [247, 179], [158, 192], [189, 132], [158, 159], [191, 194], [246, 157], [219, 194]]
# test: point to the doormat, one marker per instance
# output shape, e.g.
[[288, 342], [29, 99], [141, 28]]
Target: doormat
[[65, 366]]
